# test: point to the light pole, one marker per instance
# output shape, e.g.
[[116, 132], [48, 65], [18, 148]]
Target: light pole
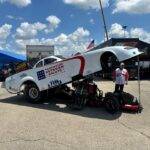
[[124, 29], [102, 12]]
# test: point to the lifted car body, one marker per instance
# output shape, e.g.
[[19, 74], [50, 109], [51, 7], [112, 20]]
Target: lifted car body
[[64, 71]]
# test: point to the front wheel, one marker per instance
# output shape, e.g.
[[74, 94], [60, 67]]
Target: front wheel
[[32, 93]]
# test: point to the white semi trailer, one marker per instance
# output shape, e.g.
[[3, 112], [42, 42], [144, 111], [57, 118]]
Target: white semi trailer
[[36, 52]]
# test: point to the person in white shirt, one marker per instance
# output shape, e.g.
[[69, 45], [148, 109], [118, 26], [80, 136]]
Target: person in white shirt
[[120, 77]]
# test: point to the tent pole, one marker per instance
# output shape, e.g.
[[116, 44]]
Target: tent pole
[[139, 85]]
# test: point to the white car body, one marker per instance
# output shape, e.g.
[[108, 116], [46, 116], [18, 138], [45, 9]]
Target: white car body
[[64, 71], [56, 59]]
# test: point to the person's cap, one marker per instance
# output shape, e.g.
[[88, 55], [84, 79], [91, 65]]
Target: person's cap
[[122, 64]]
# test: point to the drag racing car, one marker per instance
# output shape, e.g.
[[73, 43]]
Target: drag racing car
[[53, 72]]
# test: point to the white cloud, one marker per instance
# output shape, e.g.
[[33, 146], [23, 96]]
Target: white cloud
[[14, 17], [53, 23], [10, 17], [87, 4], [129, 6], [64, 44], [5, 31], [117, 31], [28, 31], [72, 16], [21, 43], [141, 34], [18, 3], [92, 21], [132, 6], [89, 13], [79, 34], [61, 39]]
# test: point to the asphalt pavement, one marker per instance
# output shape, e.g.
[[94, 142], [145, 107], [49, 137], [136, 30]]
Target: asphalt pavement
[[53, 126]]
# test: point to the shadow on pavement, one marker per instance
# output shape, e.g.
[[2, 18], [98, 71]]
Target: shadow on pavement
[[54, 104]]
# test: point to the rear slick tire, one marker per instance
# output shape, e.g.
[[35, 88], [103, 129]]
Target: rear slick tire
[[111, 103]]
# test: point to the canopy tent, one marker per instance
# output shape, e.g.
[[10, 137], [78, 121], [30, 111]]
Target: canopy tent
[[7, 57]]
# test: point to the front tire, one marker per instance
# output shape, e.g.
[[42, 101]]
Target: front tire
[[32, 93]]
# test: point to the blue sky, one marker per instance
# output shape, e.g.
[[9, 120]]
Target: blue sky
[[70, 24]]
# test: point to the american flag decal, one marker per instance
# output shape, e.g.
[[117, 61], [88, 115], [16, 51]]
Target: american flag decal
[[41, 75]]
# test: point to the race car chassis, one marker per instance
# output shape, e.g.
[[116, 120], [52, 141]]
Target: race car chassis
[[86, 93]]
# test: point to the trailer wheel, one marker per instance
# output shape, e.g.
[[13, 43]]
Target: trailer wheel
[[32, 93], [111, 103]]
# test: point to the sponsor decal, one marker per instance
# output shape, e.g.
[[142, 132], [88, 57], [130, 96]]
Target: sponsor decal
[[54, 83], [58, 68], [41, 75], [53, 70]]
